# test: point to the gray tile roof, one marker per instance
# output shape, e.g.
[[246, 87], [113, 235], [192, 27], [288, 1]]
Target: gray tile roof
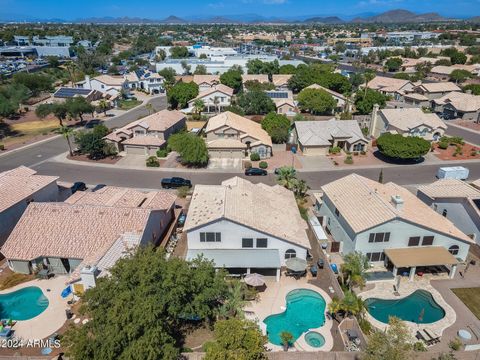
[[321, 133]]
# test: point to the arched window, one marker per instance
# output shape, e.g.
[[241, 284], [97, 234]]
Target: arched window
[[290, 253], [444, 213], [453, 249]]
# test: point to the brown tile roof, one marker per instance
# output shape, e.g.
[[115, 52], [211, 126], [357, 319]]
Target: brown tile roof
[[220, 87], [261, 78], [20, 183], [365, 203], [460, 101], [144, 141], [449, 188], [439, 87], [387, 84], [269, 209], [280, 79], [207, 79]]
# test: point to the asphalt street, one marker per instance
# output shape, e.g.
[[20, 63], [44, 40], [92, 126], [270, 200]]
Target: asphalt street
[[469, 136]]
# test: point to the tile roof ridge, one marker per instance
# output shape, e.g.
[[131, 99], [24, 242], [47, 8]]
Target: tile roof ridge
[[377, 195]]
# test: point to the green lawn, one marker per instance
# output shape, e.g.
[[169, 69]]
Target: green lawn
[[128, 104], [471, 298]]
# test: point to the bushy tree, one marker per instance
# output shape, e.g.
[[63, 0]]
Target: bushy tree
[[277, 126], [256, 103], [200, 70], [459, 75], [78, 106], [169, 76], [11, 96], [180, 94], [473, 88], [256, 66], [191, 148], [255, 85], [287, 69], [236, 339], [397, 146], [178, 52], [92, 142], [316, 101], [232, 78], [36, 83], [59, 110], [364, 100], [321, 74], [393, 64], [154, 299]]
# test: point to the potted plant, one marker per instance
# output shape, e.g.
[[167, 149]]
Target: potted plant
[[286, 338]]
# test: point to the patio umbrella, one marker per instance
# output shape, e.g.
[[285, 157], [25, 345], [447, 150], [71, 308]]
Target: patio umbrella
[[296, 264], [254, 280]]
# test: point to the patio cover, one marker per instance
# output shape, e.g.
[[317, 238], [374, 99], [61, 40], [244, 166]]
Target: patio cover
[[239, 258], [420, 256]]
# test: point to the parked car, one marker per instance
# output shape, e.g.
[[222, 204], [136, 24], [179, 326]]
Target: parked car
[[92, 123], [175, 182], [181, 219], [255, 172], [320, 263], [314, 270], [98, 187], [78, 186]]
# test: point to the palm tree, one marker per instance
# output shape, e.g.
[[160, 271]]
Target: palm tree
[[334, 307], [103, 105], [216, 102], [235, 300], [198, 106], [287, 177], [66, 132], [354, 269], [71, 68]]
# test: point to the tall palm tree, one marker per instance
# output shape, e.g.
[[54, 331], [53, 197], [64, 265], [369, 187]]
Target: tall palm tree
[[67, 132], [235, 300], [198, 106], [354, 269]]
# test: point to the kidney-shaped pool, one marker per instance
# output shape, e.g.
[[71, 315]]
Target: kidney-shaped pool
[[23, 304], [419, 307], [305, 309]]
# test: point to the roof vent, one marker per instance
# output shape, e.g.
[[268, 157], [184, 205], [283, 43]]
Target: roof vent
[[397, 202]]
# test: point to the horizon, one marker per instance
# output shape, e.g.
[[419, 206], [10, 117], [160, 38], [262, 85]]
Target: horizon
[[279, 9]]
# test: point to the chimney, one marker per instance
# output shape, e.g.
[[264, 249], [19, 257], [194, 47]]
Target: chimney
[[397, 202], [87, 82], [468, 92], [374, 118]]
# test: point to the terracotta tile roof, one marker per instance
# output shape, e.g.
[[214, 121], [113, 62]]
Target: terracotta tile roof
[[124, 197], [62, 230], [409, 118], [280, 79], [237, 122], [226, 144], [388, 83], [220, 87], [253, 205], [365, 203], [110, 80], [460, 101], [261, 78], [449, 188], [321, 133], [144, 141], [207, 79], [416, 96], [443, 86], [447, 70], [20, 183]]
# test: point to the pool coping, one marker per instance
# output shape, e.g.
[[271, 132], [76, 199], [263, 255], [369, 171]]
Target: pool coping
[[407, 288], [6, 293]]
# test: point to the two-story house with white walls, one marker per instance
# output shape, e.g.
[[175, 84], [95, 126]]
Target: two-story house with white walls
[[377, 219], [245, 227]]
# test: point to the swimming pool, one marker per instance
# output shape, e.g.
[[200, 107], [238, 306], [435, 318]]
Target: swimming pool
[[305, 309], [419, 307], [23, 304]]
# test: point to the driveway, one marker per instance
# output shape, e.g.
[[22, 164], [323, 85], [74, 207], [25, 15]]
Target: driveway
[[225, 163], [132, 161]]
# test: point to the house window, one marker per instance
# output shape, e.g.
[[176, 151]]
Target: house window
[[453, 249], [376, 256], [247, 243], [210, 237], [427, 240], [262, 243], [290, 254], [444, 212], [414, 241], [379, 237], [337, 212]]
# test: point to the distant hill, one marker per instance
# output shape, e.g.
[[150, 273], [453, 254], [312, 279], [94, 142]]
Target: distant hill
[[119, 20], [325, 20], [172, 19], [475, 19], [218, 20], [400, 16]]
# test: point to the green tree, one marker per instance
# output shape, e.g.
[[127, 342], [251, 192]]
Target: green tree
[[287, 339], [103, 106], [236, 339], [395, 343], [458, 58], [191, 148], [178, 52], [364, 100], [154, 300], [200, 70], [169, 76], [232, 78], [11, 96], [459, 75], [397, 146], [78, 106], [59, 110], [255, 85], [287, 177], [186, 67], [393, 64], [473, 88], [287, 69], [234, 300], [235, 109], [354, 269], [256, 103], [316, 101], [198, 106], [36, 83], [67, 133], [181, 93], [277, 127]]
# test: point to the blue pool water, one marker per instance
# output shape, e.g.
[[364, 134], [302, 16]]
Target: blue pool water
[[314, 339], [418, 307], [23, 304], [305, 310]]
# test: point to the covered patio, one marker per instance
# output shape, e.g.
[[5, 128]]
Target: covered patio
[[414, 257]]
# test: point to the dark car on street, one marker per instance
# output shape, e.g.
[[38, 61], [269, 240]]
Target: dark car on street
[[255, 172], [175, 182], [78, 186], [92, 123]]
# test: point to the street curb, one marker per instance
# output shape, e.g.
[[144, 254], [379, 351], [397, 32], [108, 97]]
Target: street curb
[[29, 145]]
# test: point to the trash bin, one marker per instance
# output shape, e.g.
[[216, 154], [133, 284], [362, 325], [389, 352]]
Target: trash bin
[[68, 314]]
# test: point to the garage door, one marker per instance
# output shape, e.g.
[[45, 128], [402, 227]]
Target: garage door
[[226, 154], [135, 150]]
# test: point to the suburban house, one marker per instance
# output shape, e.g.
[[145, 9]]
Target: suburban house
[[18, 188], [283, 100], [281, 81], [442, 73], [232, 136], [147, 135], [215, 98], [458, 105], [145, 80], [408, 122], [238, 225], [206, 82], [106, 84], [318, 137], [342, 103], [437, 89], [391, 86], [391, 225], [457, 201], [107, 225]]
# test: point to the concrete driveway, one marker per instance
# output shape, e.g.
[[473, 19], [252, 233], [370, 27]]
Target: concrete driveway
[[132, 161]]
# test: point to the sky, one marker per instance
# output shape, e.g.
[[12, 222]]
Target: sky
[[159, 9]]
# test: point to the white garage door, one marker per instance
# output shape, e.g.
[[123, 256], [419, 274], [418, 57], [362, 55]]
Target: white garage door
[[226, 154], [135, 150]]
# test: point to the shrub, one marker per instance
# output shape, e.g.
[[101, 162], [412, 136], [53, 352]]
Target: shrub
[[247, 164], [152, 161], [419, 346], [443, 145], [455, 344], [263, 165], [161, 153], [472, 153], [334, 150], [2, 147], [365, 325], [183, 191], [254, 157], [396, 146], [348, 160]]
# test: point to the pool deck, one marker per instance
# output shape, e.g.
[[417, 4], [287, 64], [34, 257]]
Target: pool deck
[[384, 290], [272, 301], [52, 318]]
